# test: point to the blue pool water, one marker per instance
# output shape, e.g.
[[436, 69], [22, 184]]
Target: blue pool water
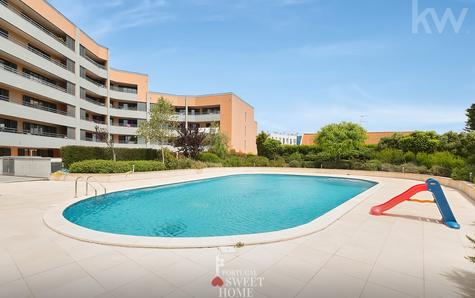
[[231, 205]]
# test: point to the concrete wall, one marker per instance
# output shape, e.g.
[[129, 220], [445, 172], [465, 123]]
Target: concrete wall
[[28, 166]]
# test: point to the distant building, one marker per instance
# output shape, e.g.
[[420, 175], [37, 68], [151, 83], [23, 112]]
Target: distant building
[[373, 137], [285, 138]]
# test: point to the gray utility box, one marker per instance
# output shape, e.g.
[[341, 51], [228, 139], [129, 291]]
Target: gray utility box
[[27, 166]]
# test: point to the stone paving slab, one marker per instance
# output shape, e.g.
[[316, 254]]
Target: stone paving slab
[[407, 253]]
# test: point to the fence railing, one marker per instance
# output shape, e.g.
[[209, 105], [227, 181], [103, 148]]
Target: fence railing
[[34, 23], [93, 62], [32, 132], [33, 50], [30, 77], [125, 90]]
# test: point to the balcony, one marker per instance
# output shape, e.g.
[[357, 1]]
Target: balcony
[[36, 113], [30, 77], [19, 138], [93, 86], [32, 132], [34, 51], [33, 28], [124, 89], [127, 113], [204, 117], [117, 92], [19, 80]]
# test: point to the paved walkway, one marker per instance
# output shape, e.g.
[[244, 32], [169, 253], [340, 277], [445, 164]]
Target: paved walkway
[[405, 254], [10, 179]]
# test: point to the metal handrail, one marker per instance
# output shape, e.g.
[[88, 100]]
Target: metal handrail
[[97, 181], [76, 185], [93, 62]]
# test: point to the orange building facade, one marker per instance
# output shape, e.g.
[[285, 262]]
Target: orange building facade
[[57, 85], [373, 137]]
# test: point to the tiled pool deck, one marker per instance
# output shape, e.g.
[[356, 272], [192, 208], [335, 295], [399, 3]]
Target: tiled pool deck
[[407, 253]]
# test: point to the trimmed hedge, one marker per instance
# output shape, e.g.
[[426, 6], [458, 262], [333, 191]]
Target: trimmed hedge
[[110, 166], [72, 154]]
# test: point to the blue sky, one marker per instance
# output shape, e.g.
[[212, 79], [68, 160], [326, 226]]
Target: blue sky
[[301, 63]]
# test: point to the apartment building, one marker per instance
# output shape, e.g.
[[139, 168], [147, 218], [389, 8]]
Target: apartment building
[[57, 85], [285, 138]]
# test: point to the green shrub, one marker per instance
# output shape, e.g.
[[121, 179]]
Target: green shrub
[[257, 161], [413, 168], [109, 166], [409, 157], [233, 161], [387, 167], [393, 156], [370, 165], [179, 163], [463, 173], [208, 157], [71, 154], [196, 164], [440, 171], [279, 162], [295, 164], [294, 157]]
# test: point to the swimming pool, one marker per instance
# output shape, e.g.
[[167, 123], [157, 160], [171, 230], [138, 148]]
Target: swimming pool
[[223, 206]]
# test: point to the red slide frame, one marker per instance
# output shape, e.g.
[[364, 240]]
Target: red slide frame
[[379, 209]]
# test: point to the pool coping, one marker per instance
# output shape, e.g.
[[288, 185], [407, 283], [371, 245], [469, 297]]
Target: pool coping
[[55, 220]]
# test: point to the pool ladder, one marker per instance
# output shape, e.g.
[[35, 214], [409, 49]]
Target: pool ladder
[[87, 185]]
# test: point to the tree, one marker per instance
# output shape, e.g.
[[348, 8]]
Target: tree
[[217, 141], [190, 141], [420, 141], [470, 125], [104, 136], [260, 139], [161, 124], [271, 148], [341, 140]]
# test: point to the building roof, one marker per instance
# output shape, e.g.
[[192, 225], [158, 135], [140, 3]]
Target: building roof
[[373, 137]]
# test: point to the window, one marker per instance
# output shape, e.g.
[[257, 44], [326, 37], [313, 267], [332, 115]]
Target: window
[[4, 94], [38, 129], [5, 152], [8, 64], [128, 139], [37, 103], [4, 33], [7, 124], [38, 51]]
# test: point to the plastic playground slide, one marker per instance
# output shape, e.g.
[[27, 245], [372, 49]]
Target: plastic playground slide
[[431, 185]]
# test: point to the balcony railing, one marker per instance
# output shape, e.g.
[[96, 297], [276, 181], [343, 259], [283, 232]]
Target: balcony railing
[[94, 82], [30, 77], [93, 62], [4, 97], [34, 23], [47, 109], [33, 50], [94, 101], [93, 120], [123, 89], [124, 124], [35, 133]]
